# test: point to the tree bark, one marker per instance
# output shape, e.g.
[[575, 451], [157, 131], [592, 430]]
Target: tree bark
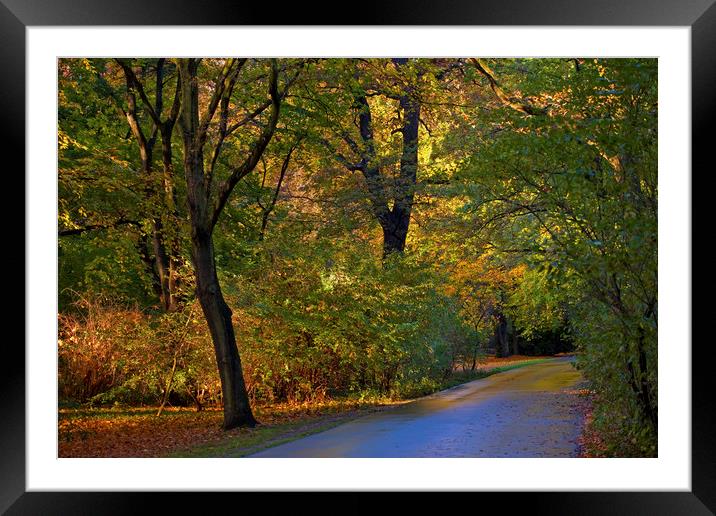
[[142, 246], [405, 189], [237, 409], [166, 128], [640, 385], [162, 264], [393, 237]]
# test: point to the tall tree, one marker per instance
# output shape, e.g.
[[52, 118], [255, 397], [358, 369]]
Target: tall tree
[[164, 215], [207, 200], [120, 86], [356, 148], [395, 219]]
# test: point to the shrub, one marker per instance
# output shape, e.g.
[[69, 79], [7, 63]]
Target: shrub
[[115, 353]]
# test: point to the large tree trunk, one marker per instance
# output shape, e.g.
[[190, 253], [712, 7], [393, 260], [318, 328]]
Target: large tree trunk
[[396, 231], [237, 409], [394, 220], [393, 237]]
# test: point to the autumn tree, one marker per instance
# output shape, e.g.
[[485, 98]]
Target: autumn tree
[[161, 186], [572, 187], [354, 140], [146, 199], [205, 128]]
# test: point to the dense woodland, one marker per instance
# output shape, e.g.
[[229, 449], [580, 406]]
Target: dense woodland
[[238, 232]]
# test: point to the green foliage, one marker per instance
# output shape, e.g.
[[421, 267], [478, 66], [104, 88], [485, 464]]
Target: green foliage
[[331, 324], [577, 192]]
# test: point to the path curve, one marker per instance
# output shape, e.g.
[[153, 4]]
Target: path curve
[[532, 411]]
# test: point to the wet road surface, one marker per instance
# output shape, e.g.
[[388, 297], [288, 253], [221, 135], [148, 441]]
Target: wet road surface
[[527, 412]]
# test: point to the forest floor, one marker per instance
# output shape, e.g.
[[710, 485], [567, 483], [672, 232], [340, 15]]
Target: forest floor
[[591, 443], [184, 432]]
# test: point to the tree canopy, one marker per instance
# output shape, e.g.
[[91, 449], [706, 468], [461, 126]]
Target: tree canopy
[[287, 229]]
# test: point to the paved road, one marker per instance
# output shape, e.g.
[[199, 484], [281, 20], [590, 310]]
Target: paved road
[[526, 412]]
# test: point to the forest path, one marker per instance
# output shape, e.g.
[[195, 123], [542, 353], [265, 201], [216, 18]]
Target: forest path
[[532, 411]]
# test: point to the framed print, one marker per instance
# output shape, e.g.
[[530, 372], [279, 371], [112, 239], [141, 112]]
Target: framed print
[[39, 38]]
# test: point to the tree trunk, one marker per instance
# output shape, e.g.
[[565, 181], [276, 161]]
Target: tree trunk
[[474, 356], [396, 220], [501, 341], [515, 340], [396, 231], [162, 264], [640, 385], [165, 256], [168, 388], [393, 239], [171, 234], [237, 409], [142, 246]]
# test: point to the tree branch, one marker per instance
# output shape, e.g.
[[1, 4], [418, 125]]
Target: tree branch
[[224, 83], [520, 105], [284, 167], [92, 227], [133, 82], [256, 151]]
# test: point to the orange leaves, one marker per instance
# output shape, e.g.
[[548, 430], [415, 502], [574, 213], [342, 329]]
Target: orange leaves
[[450, 290], [480, 271], [138, 432], [517, 272], [591, 443], [134, 433]]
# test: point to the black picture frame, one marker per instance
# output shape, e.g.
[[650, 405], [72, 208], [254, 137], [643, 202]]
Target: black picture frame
[[700, 15]]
